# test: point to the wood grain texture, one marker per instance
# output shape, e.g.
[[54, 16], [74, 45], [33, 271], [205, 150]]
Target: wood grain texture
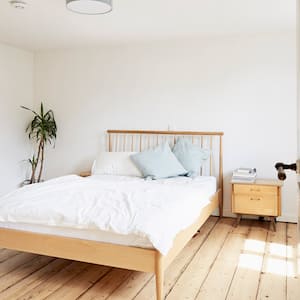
[[224, 266], [221, 262], [293, 263], [181, 262], [274, 270], [165, 132], [188, 285], [82, 250], [23, 271], [262, 198], [33, 280], [107, 285], [246, 279]]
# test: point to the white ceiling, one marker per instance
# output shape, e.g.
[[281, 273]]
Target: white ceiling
[[47, 24]]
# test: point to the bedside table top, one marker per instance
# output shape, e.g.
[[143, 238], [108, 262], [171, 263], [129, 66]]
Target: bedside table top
[[85, 174], [259, 181]]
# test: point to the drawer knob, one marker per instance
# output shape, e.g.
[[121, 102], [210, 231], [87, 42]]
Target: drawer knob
[[255, 199]]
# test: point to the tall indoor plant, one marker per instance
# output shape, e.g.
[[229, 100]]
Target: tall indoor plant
[[42, 130]]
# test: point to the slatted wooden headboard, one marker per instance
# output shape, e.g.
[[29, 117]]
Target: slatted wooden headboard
[[139, 140]]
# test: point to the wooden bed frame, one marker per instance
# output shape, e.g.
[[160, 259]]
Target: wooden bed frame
[[127, 257]]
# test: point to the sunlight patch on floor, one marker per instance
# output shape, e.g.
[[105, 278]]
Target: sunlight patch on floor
[[250, 261], [281, 250], [254, 245], [291, 269], [276, 266], [280, 259]]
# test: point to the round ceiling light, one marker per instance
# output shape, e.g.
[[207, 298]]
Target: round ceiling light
[[90, 7], [18, 4]]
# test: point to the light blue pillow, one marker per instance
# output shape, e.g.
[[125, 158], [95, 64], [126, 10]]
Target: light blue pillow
[[159, 162], [190, 156]]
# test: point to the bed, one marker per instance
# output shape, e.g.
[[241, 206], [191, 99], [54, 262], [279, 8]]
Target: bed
[[135, 255]]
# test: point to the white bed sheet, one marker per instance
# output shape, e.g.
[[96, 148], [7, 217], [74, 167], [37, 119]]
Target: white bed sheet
[[109, 231], [85, 234]]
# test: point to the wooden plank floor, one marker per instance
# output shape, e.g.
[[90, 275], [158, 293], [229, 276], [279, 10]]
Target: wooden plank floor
[[221, 262]]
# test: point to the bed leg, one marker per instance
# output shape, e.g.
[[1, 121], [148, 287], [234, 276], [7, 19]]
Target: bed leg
[[159, 274], [220, 204], [221, 210]]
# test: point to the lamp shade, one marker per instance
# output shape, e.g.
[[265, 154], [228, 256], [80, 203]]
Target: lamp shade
[[90, 7]]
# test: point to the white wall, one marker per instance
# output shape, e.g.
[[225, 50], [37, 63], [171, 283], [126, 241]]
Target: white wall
[[244, 86], [16, 89]]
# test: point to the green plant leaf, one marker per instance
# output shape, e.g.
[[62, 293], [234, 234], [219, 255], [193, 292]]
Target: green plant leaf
[[42, 129]]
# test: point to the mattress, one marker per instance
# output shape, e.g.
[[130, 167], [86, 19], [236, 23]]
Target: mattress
[[113, 232]]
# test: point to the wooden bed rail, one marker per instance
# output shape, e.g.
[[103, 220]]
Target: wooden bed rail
[[168, 132]]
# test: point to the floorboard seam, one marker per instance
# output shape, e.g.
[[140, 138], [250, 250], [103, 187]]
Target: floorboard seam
[[233, 275], [100, 278], [130, 273], [192, 257], [53, 275], [29, 274], [70, 279], [213, 262], [142, 287], [263, 260], [1, 261], [22, 264]]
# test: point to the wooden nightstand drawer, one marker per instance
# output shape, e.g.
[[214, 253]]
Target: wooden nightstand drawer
[[258, 205], [262, 198], [254, 189]]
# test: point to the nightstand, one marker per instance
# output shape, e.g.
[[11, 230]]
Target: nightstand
[[85, 174], [262, 198]]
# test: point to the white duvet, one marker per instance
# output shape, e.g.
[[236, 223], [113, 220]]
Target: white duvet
[[157, 210]]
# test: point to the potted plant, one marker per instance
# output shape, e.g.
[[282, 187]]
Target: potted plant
[[42, 130]]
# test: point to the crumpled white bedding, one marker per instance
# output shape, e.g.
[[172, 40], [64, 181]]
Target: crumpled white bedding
[[157, 210]]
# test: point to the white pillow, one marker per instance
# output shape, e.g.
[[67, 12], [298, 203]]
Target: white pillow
[[115, 163]]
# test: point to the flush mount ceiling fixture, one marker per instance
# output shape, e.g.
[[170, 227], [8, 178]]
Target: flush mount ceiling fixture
[[18, 4], [90, 7]]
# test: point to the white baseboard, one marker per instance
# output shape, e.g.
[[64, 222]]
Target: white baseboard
[[288, 218]]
